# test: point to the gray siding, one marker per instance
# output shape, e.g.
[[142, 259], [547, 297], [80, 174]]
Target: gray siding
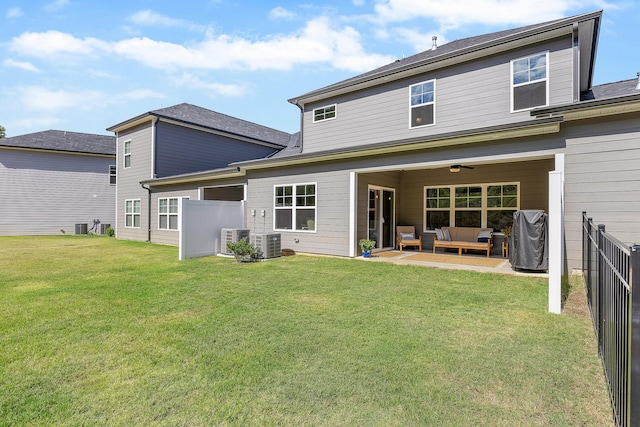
[[601, 178], [332, 226], [468, 96], [46, 193], [129, 180], [182, 150]]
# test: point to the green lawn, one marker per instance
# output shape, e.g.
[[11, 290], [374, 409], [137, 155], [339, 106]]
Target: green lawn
[[96, 331]]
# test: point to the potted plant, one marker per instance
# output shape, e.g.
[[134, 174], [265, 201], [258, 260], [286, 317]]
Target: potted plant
[[367, 246]]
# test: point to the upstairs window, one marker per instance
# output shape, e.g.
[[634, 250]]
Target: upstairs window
[[127, 154], [112, 174], [324, 113], [423, 103], [529, 82]]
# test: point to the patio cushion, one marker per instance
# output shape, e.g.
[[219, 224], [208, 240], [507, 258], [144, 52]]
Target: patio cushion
[[484, 235]]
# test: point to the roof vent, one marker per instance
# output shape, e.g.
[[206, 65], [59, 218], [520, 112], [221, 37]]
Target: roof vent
[[434, 41], [638, 85]]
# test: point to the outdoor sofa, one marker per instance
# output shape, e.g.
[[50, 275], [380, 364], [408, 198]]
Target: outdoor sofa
[[463, 238]]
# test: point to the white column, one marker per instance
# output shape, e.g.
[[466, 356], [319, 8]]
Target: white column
[[555, 242], [353, 195]]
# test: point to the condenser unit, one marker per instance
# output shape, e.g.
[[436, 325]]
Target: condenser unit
[[232, 235], [269, 244]]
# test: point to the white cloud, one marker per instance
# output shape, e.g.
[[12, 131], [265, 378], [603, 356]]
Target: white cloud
[[319, 41], [51, 44], [281, 13], [455, 13], [417, 40], [213, 88], [26, 66], [151, 18], [44, 99], [14, 12], [56, 5]]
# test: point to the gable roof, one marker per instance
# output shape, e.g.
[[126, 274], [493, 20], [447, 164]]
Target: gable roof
[[189, 114], [613, 90], [58, 140], [588, 24]]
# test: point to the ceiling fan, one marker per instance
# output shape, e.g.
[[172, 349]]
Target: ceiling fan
[[456, 168]]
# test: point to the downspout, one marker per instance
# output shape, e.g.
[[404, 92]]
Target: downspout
[[297, 104], [576, 63], [148, 212]]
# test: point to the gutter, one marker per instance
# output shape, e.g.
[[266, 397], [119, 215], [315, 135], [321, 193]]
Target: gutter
[[584, 105]]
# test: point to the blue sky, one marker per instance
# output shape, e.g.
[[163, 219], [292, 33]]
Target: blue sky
[[83, 66]]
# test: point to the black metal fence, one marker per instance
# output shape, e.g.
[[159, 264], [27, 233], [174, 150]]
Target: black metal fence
[[608, 267]]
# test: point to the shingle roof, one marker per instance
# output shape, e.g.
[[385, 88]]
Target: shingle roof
[[612, 90], [456, 47], [58, 140], [194, 115]]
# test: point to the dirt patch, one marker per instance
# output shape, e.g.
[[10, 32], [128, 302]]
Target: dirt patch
[[576, 302]]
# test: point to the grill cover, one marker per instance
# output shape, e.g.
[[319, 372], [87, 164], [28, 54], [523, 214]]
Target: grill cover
[[528, 249]]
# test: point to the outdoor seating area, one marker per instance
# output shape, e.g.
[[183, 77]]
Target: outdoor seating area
[[406, 236], [463, 238]]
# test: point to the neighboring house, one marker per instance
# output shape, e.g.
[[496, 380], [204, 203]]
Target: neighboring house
[[516, 109], [53, 180], [178, 140]]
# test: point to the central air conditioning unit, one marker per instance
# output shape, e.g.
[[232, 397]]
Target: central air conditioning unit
[[269, 244], [232, 235]]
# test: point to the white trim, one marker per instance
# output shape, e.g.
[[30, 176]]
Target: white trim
[[555, 242], [169, 214], [546, 80], [153, 147], [484, 209], [125, 154], [393, 219], [335, 113], [411, 107], [353, 191], [133, 213], [294, 208]]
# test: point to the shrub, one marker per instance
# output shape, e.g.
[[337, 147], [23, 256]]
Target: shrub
[[110, 232], [244, 251]]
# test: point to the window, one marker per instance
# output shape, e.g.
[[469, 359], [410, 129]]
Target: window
[[324, 113], [132, 213], [112, 174], [502, 202], [127, 154], [295, 207], [168, 213], [423, 102], [477, 205], [529, 82], [438, 203]]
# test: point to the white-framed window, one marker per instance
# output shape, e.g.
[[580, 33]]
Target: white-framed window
[[168, 213], [472, 205], [127, 154], [422, 103], [112, 174], [132, 213], [295, 207], [324, 113], [530, 82]]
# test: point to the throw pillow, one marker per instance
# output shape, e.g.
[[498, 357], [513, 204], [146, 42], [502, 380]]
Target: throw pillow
[[484, 236], [447, 235], [439, 234], [406, 236]]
